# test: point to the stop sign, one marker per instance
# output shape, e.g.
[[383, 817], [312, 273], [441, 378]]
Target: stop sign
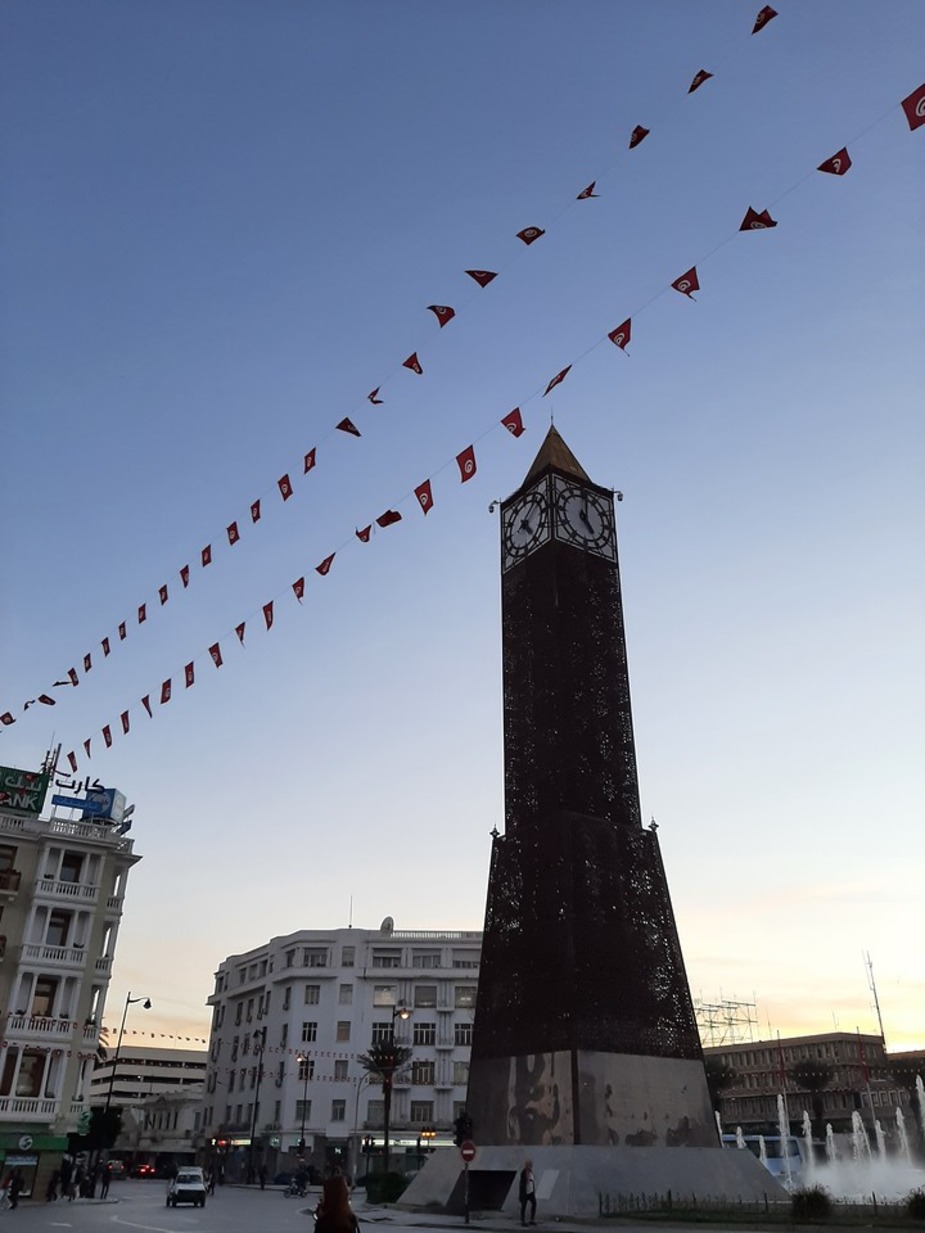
[[467, 1151]]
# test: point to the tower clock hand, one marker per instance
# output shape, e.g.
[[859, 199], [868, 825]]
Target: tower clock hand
[[525, 525]]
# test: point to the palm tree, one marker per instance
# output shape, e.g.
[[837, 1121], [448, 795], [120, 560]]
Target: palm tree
[[383, 1060]]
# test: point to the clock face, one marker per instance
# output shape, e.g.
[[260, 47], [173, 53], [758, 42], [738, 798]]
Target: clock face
[[584, 519], [524, 526]]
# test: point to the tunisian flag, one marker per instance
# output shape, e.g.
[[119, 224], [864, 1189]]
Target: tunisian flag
[[298, 588], [388, 518], [638, 134], [425, 496], [325, 566], [268, 613], [189, 674], [233, 533], [766, 14], [413, 363], [466, 463], [107, 736], [621, 335], [687, 282], [914, 107], [753, 221], [442, 312], [838, 164], [216, 652], [165, 691], [285, 487], [482, 277], [529, 234], [557, 379], [514, 422], [699, 79]]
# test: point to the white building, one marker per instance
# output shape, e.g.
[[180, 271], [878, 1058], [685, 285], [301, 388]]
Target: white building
[[62, 887], [290, 1018], [143, 1071]]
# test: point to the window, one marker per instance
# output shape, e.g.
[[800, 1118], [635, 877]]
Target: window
[[345, 995], [290, 958], [426, 959], [312, 957], [309, 1033], [381, 1033], [312, 995], [59, 925], [284, 1036], [460, 1072], [465, 996], [303, 1111], [424, 1034], [422, 1074], [387, 959], [346, 957], [72, 864], [287, 997], [338, 1110], [422, 1112], [343, 1030], [425, 995], [462, 1033], [375, 1113], [383, 995], [43, 999], [238, 1011], [340, 1070], [7, 857], [465, 960], [306, 1069]]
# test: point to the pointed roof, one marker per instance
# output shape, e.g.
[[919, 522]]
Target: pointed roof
[[555, 453]]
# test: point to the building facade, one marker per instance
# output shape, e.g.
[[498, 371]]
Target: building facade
[[289, 1020], [141, 1072], [62, 888]]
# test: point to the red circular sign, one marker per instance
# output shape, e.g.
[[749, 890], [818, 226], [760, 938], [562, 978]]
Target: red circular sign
[[467, 1151]]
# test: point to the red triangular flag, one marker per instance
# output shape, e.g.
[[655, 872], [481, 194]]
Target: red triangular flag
[[763, 18], [122, 631], [325, 565], [425, 496], [184, 575], [233, 533], [838, 164], [165, 691], [753, 221], [88, 663], [390, 516], [699, 79], [482, 277], [72, 762], [206, 555], [466, 463], [239, 630], [72, 676], [914, 107], [687, 282], [638, 134], [189, 674], [162, 595], [347, 425], [413, 363], [557, 379], [125, 722], [87, 748], [285, 487], [268, 614], [146, 703], [587, 192], [529, 234], [142, 613], [514, 422], [310, 460], [621, 335], [216, 652], [363, 536], [298, 588], [46, 700], [255, 511], [374, 398], [442, 313], [107, 736], [106, 647], [7, 718]]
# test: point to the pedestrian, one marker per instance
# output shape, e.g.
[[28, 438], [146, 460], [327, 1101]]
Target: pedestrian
[[107, 1178], [67, 1171], [334, 1214], [14, 1188], [5, 1192], [51, 1193], [527, 1193], [262, 1174], [210, 1184]]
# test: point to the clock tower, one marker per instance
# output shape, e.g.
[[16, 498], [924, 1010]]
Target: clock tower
[[584, 1030]]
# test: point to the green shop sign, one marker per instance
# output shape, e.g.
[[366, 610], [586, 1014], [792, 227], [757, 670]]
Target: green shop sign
[[22, 790]]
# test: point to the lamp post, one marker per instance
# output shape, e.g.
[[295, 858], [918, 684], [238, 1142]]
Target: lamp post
[[260, 1040], [354, 1164], [403, 1012], [304, 1062], [129, 1001]]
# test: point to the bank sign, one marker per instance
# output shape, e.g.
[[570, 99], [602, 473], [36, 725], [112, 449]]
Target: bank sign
[[22, 790]]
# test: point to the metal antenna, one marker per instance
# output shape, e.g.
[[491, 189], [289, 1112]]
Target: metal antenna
[[873, 988]]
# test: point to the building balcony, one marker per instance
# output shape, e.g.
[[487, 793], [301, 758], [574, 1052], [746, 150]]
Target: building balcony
[[10, 880], [42, 1026], [114, 903], [55, 956], [54, 888], [445, 1042], [103, 965], [2, 945], [28, 1108]]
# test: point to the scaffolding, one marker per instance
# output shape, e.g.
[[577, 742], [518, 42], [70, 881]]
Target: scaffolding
[[726, 1021]]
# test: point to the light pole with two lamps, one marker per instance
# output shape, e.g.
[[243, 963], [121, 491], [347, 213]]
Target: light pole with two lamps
[[260, 1040], [305, 1066], [129, 1001]]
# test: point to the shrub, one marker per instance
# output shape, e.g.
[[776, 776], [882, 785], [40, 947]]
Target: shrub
[[813, 1203], [915, 1204], [385, 1187]]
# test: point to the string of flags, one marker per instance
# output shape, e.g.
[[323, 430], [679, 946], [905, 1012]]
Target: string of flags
[[423, 494], [285, 486]]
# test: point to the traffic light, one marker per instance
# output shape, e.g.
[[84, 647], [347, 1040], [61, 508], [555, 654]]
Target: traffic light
[[462, 1129]]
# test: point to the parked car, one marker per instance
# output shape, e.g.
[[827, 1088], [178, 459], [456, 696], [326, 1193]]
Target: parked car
[[189, 1186], [117, 1171]]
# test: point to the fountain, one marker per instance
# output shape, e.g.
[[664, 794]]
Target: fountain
[[762, 1151], [719, 1126], [881, 1139], [740, 1138], [783, 1126], [831, 1156], [860, 1141], [810, 1162], [903, 1136], [868, 1173]]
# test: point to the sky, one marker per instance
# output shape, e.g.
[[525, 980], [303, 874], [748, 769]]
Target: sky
[[222, 226]]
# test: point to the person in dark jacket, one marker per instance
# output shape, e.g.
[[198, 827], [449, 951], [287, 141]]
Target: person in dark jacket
[[335, 1215], [527, 1193]]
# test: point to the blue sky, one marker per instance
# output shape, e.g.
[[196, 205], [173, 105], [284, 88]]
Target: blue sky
[[221, 227]]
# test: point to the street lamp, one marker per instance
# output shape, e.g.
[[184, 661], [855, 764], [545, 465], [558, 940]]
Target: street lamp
[[401, 1011], [260, 1040], [304, 1062], [129, 1001]]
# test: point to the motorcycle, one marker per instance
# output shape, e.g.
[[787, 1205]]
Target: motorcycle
[[295, 1190]]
